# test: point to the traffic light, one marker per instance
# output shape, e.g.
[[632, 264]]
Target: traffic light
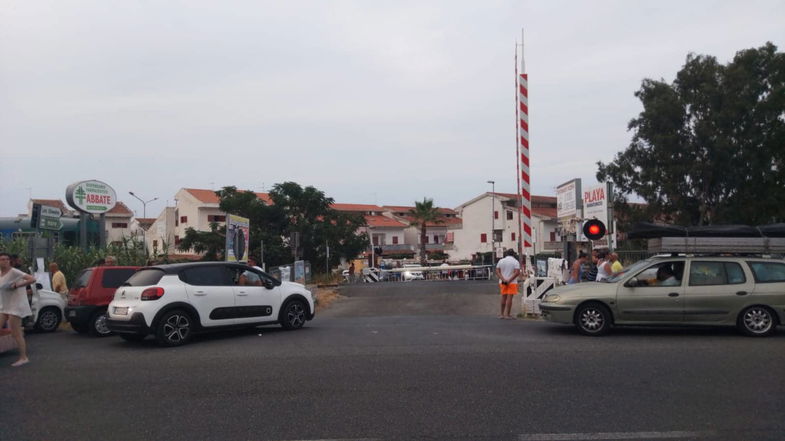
[[594, 229], [35, 216]]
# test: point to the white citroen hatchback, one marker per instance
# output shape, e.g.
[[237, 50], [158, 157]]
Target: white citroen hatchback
[[172, 302]]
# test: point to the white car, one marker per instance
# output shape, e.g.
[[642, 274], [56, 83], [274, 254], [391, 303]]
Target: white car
[[173, 302], [410, 273], [47, 307]]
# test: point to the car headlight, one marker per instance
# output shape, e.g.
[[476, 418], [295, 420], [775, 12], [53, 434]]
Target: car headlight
[[551, 298]]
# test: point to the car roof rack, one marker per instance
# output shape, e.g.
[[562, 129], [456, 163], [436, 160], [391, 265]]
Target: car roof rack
[[712, 239]]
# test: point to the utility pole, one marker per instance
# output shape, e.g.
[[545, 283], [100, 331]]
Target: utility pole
[[493, 222]]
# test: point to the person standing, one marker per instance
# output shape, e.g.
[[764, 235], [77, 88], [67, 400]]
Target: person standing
[[616, 266], [110, 261], [603, 266], [58, 280], [14, 305], [577, 269], [507, 270], [351, 273]]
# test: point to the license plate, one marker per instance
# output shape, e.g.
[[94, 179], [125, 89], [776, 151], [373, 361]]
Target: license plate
[[121, 310], [71, 313]]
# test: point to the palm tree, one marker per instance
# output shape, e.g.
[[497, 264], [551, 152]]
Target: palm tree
[[424, 213]]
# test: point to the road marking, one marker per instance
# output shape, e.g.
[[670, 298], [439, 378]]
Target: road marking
[[611, 436], [340, 439]]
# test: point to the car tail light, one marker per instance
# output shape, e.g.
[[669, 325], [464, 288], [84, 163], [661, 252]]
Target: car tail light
[[154, 293]]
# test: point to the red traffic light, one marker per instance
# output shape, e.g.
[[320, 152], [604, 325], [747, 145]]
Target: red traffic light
[[594, 229]]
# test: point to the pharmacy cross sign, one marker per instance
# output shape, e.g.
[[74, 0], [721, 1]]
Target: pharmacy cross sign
[[93, 197]]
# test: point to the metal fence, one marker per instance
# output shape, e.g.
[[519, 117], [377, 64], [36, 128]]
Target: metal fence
[[299, 271]]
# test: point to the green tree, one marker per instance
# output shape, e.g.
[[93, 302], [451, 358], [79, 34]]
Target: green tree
[[295, 209], [708, 148], [307, 212], [424, 213], [212, 243]]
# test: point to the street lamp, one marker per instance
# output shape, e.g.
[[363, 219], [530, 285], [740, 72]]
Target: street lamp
[[493, 222], [144, 203]]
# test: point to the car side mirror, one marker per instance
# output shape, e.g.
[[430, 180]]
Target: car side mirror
[[268, 283], [632, 283], [39, 286]]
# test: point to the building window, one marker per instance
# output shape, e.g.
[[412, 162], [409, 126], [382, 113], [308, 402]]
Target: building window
[[509, 215], [427, 239], [176, 240], [215, 218], [376, 240], [483, 238], [512, 237], [553, 236], [498, 236], [119, 225], [435, 239], [183, 219], [395, 240], [495, 214]]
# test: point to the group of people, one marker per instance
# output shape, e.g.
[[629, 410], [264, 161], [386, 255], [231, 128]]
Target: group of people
[[603, 264], [15, 294]]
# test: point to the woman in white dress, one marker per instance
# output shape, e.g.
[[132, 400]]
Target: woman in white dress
[[13, 303]]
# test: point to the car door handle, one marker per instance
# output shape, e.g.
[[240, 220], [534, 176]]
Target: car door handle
[[741, 293], [200, 293], [673, 294], [242, 293]]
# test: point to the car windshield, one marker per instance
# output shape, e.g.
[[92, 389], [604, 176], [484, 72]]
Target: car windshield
[[635, 267]]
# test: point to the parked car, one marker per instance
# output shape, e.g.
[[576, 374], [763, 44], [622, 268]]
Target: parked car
[[90, 294], [410, 273], [172, 302], [745, 292], [48, 309]]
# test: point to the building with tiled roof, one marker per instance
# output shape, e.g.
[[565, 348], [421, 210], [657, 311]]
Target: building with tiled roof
[[493, 219]]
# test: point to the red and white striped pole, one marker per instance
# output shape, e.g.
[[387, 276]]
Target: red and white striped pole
[[524, 177]]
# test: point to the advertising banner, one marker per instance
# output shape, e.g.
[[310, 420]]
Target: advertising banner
[[93, 197], [237, 236], [568, 199], [596, 206]]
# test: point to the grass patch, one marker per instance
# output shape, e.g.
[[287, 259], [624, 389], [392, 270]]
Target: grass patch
[[325, 297]]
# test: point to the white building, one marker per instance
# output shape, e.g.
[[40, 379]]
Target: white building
[[439, 235], [493, 219], [383, 230]]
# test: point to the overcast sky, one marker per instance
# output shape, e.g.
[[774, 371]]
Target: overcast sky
[[369, 101]]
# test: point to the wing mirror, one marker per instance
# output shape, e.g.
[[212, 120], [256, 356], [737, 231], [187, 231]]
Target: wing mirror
[[632, 283], [268, 283], [39, 286]]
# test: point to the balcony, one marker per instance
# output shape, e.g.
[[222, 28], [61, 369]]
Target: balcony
[[552, 246], [397, 248]]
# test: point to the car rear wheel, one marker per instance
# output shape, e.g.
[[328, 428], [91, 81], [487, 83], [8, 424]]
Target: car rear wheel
[[97, 325], [757, 321], [293, 316], [593, 319], [48, 319], [174, 328]]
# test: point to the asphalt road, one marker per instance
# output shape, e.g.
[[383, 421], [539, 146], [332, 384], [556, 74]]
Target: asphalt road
[[415, 361]]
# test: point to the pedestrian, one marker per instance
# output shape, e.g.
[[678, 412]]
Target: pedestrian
[[590, 268], [576, 271], [616, 266], [59, 284], [603, 266], [14, 305], [110, 261], [507, 270], [351, 273]]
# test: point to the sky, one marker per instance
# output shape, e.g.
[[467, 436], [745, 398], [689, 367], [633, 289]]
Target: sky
[[371, 102]]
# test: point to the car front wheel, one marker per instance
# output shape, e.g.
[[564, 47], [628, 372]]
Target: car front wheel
[[757, 321], [293, 314], [98, 325], [48, 320], [174, 328], [593, 319]]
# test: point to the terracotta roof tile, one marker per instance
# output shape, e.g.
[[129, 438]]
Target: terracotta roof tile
[[209, 196], [356, 207], [405, 209], [383, 221], [121, 209]]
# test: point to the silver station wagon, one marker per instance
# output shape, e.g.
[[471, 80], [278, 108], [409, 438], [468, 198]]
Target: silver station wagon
[[746, 292]]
